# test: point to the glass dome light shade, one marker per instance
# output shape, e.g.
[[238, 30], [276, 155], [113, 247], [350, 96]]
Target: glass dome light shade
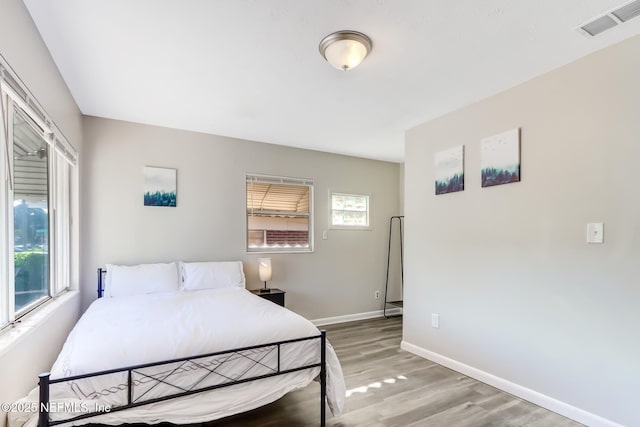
[[345, 50]]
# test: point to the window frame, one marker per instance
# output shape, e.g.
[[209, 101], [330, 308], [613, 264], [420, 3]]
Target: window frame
[[6, 267], [14, 110], [283, 180], [333, 226], [61, 158]]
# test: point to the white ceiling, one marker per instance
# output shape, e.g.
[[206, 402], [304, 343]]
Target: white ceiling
[[251, 68]]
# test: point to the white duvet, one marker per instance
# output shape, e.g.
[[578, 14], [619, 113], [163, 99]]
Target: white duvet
[[119, 332]]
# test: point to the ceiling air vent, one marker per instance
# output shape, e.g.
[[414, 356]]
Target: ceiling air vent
[[628, 11], [599, 25], [611, 19]]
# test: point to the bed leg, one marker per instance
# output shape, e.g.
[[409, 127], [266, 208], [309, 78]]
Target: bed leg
[[43, 407], [100, 284], [323, 376]]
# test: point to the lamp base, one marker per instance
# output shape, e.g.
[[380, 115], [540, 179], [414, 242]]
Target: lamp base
[[265, 290]]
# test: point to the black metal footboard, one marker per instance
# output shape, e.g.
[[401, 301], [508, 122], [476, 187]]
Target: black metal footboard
[[136, 375]]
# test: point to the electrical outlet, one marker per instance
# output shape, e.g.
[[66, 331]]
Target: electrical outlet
[[595, 232], [376, 295], [435, 320]]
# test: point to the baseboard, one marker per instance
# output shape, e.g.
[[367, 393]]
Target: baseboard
[[356, 316], [525, 393]]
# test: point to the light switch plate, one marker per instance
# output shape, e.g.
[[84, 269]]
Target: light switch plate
[[435, 320], [595, 232]]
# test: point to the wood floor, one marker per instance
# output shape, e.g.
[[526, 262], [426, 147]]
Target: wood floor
[[391, 387]]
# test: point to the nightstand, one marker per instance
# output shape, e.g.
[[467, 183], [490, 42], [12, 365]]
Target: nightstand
[[276, 295]]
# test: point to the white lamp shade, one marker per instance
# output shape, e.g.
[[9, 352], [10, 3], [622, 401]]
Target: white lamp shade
[[264, 269], [345, 54]]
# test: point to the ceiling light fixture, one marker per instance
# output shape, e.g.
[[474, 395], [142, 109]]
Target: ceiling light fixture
[[345, 50]]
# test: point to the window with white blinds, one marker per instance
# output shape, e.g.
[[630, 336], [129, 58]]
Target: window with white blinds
[[279, 214]]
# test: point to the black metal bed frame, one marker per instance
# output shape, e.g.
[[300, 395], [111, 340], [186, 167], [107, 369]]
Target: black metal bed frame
[[248, 353]]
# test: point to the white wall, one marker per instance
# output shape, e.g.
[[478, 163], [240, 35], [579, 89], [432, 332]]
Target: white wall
[[36, 348], [520, 294], [339, 278]]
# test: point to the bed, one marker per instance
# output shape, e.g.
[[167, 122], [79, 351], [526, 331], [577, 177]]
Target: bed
[[150, 350]]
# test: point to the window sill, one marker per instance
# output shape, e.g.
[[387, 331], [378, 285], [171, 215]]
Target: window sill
[[12, 335], [353, 228], [283, 251]]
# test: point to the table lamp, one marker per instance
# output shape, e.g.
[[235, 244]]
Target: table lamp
[[265, 272]]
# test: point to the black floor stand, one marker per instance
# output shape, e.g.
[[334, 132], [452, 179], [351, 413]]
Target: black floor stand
[[398, 303]]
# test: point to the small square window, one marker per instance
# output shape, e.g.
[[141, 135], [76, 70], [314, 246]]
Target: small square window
[[349, 211]]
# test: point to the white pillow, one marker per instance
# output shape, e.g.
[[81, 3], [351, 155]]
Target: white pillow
[[141, 279], [212, 275]]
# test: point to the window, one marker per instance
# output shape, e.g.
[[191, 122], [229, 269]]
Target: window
[[349, 211], [35, 214], [30, 213], [279, 214]]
